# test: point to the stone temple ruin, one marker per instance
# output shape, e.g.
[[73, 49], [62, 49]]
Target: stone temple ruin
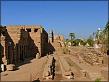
[[19, 43], [55, 40], [22, 41]]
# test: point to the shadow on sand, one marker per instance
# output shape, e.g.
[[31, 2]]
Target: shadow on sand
[[36, 80]]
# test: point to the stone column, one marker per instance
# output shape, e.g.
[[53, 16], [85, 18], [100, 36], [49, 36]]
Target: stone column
[[50, 35], [3, 50]]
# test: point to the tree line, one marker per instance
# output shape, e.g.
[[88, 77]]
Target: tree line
[[96, 38]]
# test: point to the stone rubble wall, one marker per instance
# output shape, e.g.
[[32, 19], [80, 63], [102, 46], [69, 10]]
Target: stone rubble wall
[[91, 56]]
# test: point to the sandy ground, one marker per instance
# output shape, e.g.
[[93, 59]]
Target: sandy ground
[[26, 72]]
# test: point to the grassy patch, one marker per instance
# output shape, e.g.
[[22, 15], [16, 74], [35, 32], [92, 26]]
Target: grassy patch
[[69, 64]]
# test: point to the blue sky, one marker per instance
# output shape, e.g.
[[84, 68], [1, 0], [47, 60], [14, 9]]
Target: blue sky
[[80, 17]]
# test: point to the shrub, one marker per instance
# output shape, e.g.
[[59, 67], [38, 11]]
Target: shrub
[[98, 80]]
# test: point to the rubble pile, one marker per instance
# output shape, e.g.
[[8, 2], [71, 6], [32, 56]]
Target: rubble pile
[[91, 56]]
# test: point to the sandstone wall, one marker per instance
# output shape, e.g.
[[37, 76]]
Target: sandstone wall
[[21, 41], [60, 36], [37, 37]]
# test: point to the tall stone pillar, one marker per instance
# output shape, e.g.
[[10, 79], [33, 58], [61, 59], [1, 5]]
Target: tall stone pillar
[[3, 54], [50, 35]]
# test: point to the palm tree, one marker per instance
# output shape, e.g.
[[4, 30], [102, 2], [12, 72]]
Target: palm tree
[[65, 49], [106, 30], [66, 42], [72, 35], [106, 35], [107, 25]]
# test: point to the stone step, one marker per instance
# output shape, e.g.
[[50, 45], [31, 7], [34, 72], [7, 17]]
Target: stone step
[[94, 76], [89, 74], [65, 66]]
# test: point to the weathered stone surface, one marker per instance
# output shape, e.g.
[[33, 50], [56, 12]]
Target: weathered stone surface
[[66, 70], [67, 73], [47, 68], [65, 65], [37, 56], [94, 76], [26, 41], [10, 67], [47, 65], [91, 56], [105, 74], [46, 73], [83, 73], [105, 60], [2, 67]]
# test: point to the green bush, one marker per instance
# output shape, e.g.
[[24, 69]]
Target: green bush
[[84, 43], [65, 50], [69, 64], [98, 80], [90, 41]]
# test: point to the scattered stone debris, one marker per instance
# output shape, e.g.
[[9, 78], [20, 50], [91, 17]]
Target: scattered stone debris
[[49, 68], [91, 56]]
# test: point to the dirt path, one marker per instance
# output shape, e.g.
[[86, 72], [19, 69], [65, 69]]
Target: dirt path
[[34, 69]]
